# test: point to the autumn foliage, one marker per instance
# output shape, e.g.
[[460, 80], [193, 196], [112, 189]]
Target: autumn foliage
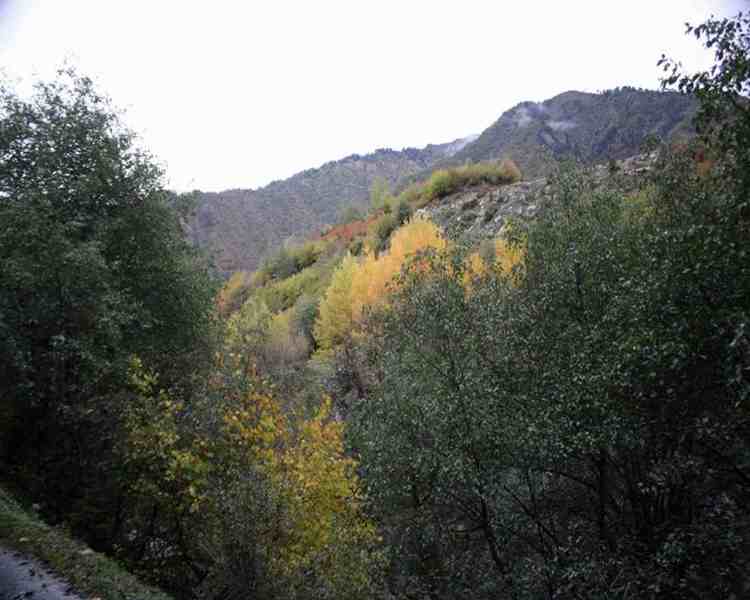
[[359, 284]]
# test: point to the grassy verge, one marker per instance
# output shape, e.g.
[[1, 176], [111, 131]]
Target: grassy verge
[[90, 573]]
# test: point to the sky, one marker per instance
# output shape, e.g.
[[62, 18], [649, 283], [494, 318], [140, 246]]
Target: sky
[[236, 94]]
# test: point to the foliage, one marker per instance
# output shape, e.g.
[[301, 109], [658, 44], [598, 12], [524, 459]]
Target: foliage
[[305, 311], [722, 91], [319, 482], [501, 253], [380, 194], [348, 214], [374, 273], [357, 285], [380, 232], [446, 181], [295, 479], [523, 431], [288, 345], [248, 328], [289, 261], [336, 313], [575, 427], [231, 295], [95, 270], [281, 295]]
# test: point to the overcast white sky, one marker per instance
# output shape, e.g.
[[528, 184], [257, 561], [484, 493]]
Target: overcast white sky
[[239, 93]]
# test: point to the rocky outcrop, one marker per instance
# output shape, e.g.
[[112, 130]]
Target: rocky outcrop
[[481, 211]]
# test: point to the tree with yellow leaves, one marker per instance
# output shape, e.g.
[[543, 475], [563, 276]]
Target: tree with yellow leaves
[[503, 256], [373, 276], [356, 285], [335, 316], [315, 535]]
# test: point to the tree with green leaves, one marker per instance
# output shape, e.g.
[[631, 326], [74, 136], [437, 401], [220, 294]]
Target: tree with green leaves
[[579, 429], [724, 111], [380, 194], [96, 269]]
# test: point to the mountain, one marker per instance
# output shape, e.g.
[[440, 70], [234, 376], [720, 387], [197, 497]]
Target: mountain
[[588, 127], [240, 227]]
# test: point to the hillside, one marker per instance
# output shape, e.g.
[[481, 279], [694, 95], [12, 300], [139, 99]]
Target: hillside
[[239, 227], [480, 212], [588, 127]]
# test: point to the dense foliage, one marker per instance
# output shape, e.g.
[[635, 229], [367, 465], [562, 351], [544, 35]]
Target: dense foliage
[[123, 413], [95, 270], [557, 413], [576, 426]]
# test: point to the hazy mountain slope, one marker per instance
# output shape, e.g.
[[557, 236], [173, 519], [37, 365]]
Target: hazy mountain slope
[[239, 227], [589, 127]]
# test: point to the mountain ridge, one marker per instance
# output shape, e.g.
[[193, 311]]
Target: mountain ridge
[[239, 227]]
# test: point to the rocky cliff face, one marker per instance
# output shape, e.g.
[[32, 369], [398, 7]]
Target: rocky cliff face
[[482, 211]]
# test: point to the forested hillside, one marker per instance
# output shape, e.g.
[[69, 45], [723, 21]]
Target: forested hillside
[[484, 388], [240, 227]]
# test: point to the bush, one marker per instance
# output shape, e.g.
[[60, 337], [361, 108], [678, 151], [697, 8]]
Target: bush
[[403, 212], [444, 182], [288, 261], [281, 295], [380, 232]]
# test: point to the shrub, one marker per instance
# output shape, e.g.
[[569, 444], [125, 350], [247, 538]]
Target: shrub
[[282, 295], [444, 182], [288, 261], [403, 212], [355, 247], [380, 232], [233, 294]]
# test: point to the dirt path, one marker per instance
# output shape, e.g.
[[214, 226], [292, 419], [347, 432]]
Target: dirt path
[[22, 578]]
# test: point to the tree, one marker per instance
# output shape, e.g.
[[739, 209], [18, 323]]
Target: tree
[[724, 112], [380, 194], [95, 270], [576, 427]]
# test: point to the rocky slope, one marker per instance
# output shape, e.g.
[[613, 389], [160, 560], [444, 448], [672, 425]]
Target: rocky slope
[[481, 212]]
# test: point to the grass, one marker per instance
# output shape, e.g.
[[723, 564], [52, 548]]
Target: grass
[[446, 181], [90, 573]]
